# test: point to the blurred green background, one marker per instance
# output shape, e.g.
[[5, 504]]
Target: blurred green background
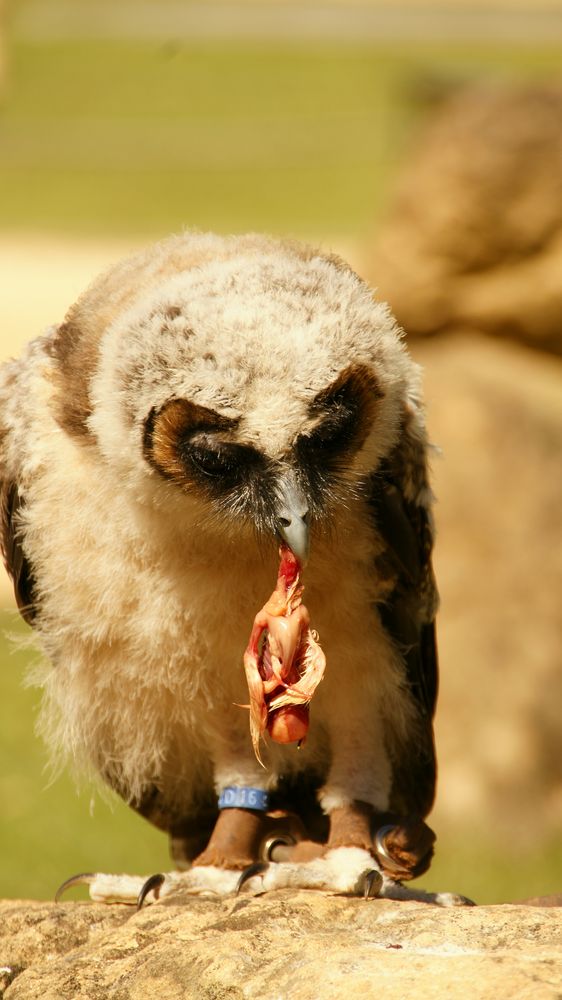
[[107, 133], [132, 136]]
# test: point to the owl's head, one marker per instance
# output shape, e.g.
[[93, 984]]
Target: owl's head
[[257, 380]]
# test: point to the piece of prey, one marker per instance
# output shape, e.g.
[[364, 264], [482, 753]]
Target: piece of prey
[[283, 662]]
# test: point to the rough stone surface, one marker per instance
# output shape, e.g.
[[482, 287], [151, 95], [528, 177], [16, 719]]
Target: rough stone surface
[[474, 233], [306, 946]]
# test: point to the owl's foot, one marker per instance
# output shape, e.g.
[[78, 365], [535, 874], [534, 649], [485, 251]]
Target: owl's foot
[[136, 889], [348, 870]]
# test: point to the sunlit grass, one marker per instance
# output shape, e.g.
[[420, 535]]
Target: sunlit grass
[[132, 137]]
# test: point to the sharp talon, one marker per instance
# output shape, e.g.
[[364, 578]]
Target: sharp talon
[[282, 840], [381, 849], [85, 878], [373, 884], [152, 884], [257, 868]]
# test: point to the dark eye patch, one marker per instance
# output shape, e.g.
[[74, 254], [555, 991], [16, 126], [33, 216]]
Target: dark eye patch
[[190, 445], [345, 412], [334, 435], [217, 464]]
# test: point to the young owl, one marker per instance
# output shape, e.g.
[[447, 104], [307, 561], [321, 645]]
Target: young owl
[[201, 403]]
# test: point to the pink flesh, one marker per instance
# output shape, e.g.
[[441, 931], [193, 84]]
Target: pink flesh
[[283, 661]]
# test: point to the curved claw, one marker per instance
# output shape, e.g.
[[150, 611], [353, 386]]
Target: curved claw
[[381, 849], [278, 847], [152, 884], [84, 878], [256, 868], [372, 883]]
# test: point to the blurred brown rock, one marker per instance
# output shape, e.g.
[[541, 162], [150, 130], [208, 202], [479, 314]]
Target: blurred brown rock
[[303, 945], [495, 410], [473, 245], [474, 234]]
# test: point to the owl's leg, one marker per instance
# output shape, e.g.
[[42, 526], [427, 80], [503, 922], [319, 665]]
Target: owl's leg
[[402, 846], [354, 861], [368, 851], [240, 837], [235, 840]]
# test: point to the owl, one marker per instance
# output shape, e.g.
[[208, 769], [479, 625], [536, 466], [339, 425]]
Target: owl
[[212, 415]]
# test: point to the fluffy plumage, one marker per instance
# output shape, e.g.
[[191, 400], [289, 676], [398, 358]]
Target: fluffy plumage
[[147, 444]]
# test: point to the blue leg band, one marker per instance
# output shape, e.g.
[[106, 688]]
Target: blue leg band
[[241, 797]]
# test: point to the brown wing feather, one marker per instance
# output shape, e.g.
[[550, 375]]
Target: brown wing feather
[[399, 499], [18, 567]]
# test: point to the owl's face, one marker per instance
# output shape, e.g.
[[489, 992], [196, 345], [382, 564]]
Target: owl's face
[[260, 388]]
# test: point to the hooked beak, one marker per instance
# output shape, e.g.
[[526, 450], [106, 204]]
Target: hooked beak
[[292, 516]]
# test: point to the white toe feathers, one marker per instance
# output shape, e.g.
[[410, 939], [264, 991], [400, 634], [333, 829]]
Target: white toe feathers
[[342, 870]]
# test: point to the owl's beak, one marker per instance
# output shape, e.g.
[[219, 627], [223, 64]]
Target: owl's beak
[[292, 516]]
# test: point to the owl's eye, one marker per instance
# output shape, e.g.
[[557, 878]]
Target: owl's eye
[[215, 463], [218, 464]]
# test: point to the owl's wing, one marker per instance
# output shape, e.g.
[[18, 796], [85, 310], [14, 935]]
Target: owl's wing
[[400, 499], [18, 567]]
